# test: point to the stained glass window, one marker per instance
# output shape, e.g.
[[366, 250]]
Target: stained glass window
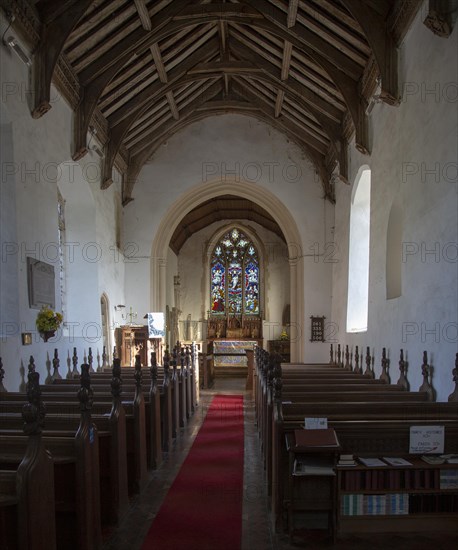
[[235, 275]]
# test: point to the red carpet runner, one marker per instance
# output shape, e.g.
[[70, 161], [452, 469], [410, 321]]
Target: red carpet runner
[[203, 508]]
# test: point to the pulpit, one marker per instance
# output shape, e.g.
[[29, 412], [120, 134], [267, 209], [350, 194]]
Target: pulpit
[[132, 340]]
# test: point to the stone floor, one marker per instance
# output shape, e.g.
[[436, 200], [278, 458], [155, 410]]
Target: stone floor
[[257, 532]]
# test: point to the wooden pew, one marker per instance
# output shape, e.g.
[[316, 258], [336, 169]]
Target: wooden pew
[[161, 398], [134, 413], [316, 383], [9, 516], [166, 404], [110, 421], [356, 436], [27, 507], [76, 472], [175, 385], [185, 388]]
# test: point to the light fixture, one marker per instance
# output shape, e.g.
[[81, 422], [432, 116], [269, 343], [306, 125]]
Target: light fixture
[[97, 150], [130, 316], [17, 48], [94, 147], [119, 306]]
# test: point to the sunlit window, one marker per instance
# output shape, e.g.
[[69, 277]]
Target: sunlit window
[[358, 262], [234, 275]]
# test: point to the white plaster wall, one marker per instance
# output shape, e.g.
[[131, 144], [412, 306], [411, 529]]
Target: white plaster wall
[[193, 268], [225, 148], [35, 160], [172, 271], [413, 160]]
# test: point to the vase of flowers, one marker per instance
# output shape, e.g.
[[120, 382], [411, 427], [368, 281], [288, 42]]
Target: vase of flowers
[[48, 321]]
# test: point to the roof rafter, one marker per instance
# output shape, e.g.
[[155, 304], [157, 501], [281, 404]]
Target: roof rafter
[[292, 13], [135, 108], [286, 61], [132, 69], [383, 47], [96, 76], [205, 71], [192, 15], [274, 22], [156, 52], [303, 135], [52, 40], [143, 14]]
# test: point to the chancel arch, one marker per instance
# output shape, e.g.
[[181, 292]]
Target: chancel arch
[[259, 195]]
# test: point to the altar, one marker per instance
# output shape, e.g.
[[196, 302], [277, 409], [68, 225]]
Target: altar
[[234, 327], [228, 337], [230, 353]]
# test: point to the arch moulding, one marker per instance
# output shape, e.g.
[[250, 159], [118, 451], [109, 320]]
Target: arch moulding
[[262, 197]]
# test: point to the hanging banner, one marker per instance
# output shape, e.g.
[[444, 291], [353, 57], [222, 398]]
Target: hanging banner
[[156, 325]]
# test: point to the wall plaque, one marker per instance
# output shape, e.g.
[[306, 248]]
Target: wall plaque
[[317, 329], [40, 282]]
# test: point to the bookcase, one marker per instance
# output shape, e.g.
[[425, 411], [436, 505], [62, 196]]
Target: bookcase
[[418, 497]]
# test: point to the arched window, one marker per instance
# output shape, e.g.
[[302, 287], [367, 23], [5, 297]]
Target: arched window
[[234, 275], [358, 263]]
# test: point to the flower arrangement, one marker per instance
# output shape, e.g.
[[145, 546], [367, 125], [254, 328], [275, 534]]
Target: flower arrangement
[[48, 320], [284, 335]]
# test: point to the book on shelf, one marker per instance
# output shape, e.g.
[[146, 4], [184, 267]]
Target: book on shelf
[[310, 467], [351, 481], [372, 462], [306, 439], [396, 461], [449, 479], [375, 505], [397, 504], [352, 505]]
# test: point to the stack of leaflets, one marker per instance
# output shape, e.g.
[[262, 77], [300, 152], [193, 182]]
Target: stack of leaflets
[[346, 460], [372, 462], [433, 459], [312, 467], [396, 461], [450, 459]]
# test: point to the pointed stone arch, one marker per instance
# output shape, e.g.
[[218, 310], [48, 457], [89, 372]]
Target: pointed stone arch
[[259, 195]]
